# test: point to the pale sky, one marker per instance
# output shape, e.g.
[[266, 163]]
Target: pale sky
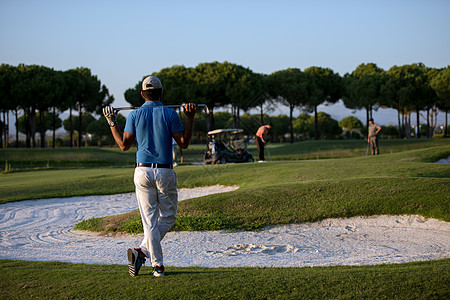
[[122, 41]]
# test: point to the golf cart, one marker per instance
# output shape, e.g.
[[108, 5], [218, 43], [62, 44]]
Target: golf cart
[[226, 146]]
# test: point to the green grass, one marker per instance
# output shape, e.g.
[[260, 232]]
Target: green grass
[[54, 280], [48, 158], [344, 148], [56, 183], [306, 191], [403, 180]]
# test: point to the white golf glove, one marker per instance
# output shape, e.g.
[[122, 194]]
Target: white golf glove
[[110, 115]]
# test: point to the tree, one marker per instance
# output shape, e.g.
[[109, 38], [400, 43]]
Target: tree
[[429, 98], [214, 84], [281, 126], [219, 84], [100, 131], [251, 123], [91, 97], [7, 102], [57, 102], [244, 91], [83, 124], [29, 90], [46, 121], [362, 88], [177, 86], [302, 126], [441, 85], [407, 89], [328, 127], [350, 123], [290, 87], [326, 88], [48, 91]]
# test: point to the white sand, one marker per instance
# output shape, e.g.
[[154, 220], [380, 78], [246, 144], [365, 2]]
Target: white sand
[[444, 160], [41, 230]]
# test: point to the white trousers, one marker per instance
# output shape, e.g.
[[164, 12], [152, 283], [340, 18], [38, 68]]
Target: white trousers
[[157, 196]]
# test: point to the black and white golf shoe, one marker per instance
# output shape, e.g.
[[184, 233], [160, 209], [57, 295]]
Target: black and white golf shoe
[[135, 261], [158, 271]]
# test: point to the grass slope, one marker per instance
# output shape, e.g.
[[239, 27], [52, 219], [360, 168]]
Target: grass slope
[[306, 191]]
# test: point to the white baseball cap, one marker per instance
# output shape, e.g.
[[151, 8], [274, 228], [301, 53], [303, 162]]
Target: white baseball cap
[[151, 83]]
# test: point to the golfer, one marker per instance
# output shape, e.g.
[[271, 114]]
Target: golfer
[[372, 139], [153, 126], [261, 140]]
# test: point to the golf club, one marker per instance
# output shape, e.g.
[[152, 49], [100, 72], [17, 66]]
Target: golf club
[[270, 158], [117, 109], [367, 150]]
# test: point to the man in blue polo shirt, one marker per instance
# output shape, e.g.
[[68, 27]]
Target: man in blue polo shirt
[[153, 126]]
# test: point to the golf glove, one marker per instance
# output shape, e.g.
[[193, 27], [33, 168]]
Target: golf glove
[[110, 115]]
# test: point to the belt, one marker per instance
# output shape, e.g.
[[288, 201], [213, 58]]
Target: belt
[[152, 165]]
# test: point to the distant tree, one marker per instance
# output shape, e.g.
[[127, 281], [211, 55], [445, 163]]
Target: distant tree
[[441, 84], [214, 84], [291, 88], [177, 84], [200, 126], [2, 129], [57, 102], [389, 131], [47, 120], [350, 123], [26, 91], [407, 89], [328, 127], [250, 123], [362, 88], [101, 133], [303, 127], [326, 88], [7, 102], [92, 97], [281, 126], [47, 87], [244, 91], [83, 124], [220, 84], [73, 85], [223, 119]]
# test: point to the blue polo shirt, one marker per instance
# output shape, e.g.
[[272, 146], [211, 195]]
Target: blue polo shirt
[[153, 125]]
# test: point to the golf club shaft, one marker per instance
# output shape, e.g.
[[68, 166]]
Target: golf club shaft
[[116, 109]]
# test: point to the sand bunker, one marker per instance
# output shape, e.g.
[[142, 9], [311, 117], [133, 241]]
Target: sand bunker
[[41, 230]]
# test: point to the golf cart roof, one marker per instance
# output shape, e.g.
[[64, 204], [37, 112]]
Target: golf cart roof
[[227, 130]]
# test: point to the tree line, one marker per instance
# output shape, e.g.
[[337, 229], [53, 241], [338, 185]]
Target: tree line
[[38, 90], [97, 134], [408, 88]]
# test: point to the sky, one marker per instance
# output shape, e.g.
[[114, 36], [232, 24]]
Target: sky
[[123, 41]]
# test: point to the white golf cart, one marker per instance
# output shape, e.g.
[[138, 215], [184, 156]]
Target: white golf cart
[[226, 146]]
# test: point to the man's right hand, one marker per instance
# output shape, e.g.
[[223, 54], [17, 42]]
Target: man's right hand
[[110, 115]]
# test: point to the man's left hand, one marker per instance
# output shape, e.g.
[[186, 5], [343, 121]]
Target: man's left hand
[[190, 109]]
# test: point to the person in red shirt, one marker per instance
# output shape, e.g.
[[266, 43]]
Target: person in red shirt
[[260, 139]]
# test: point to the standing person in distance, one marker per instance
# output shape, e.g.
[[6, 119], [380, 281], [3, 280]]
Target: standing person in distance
[[153, 126], [372, 138], [260, 140]]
